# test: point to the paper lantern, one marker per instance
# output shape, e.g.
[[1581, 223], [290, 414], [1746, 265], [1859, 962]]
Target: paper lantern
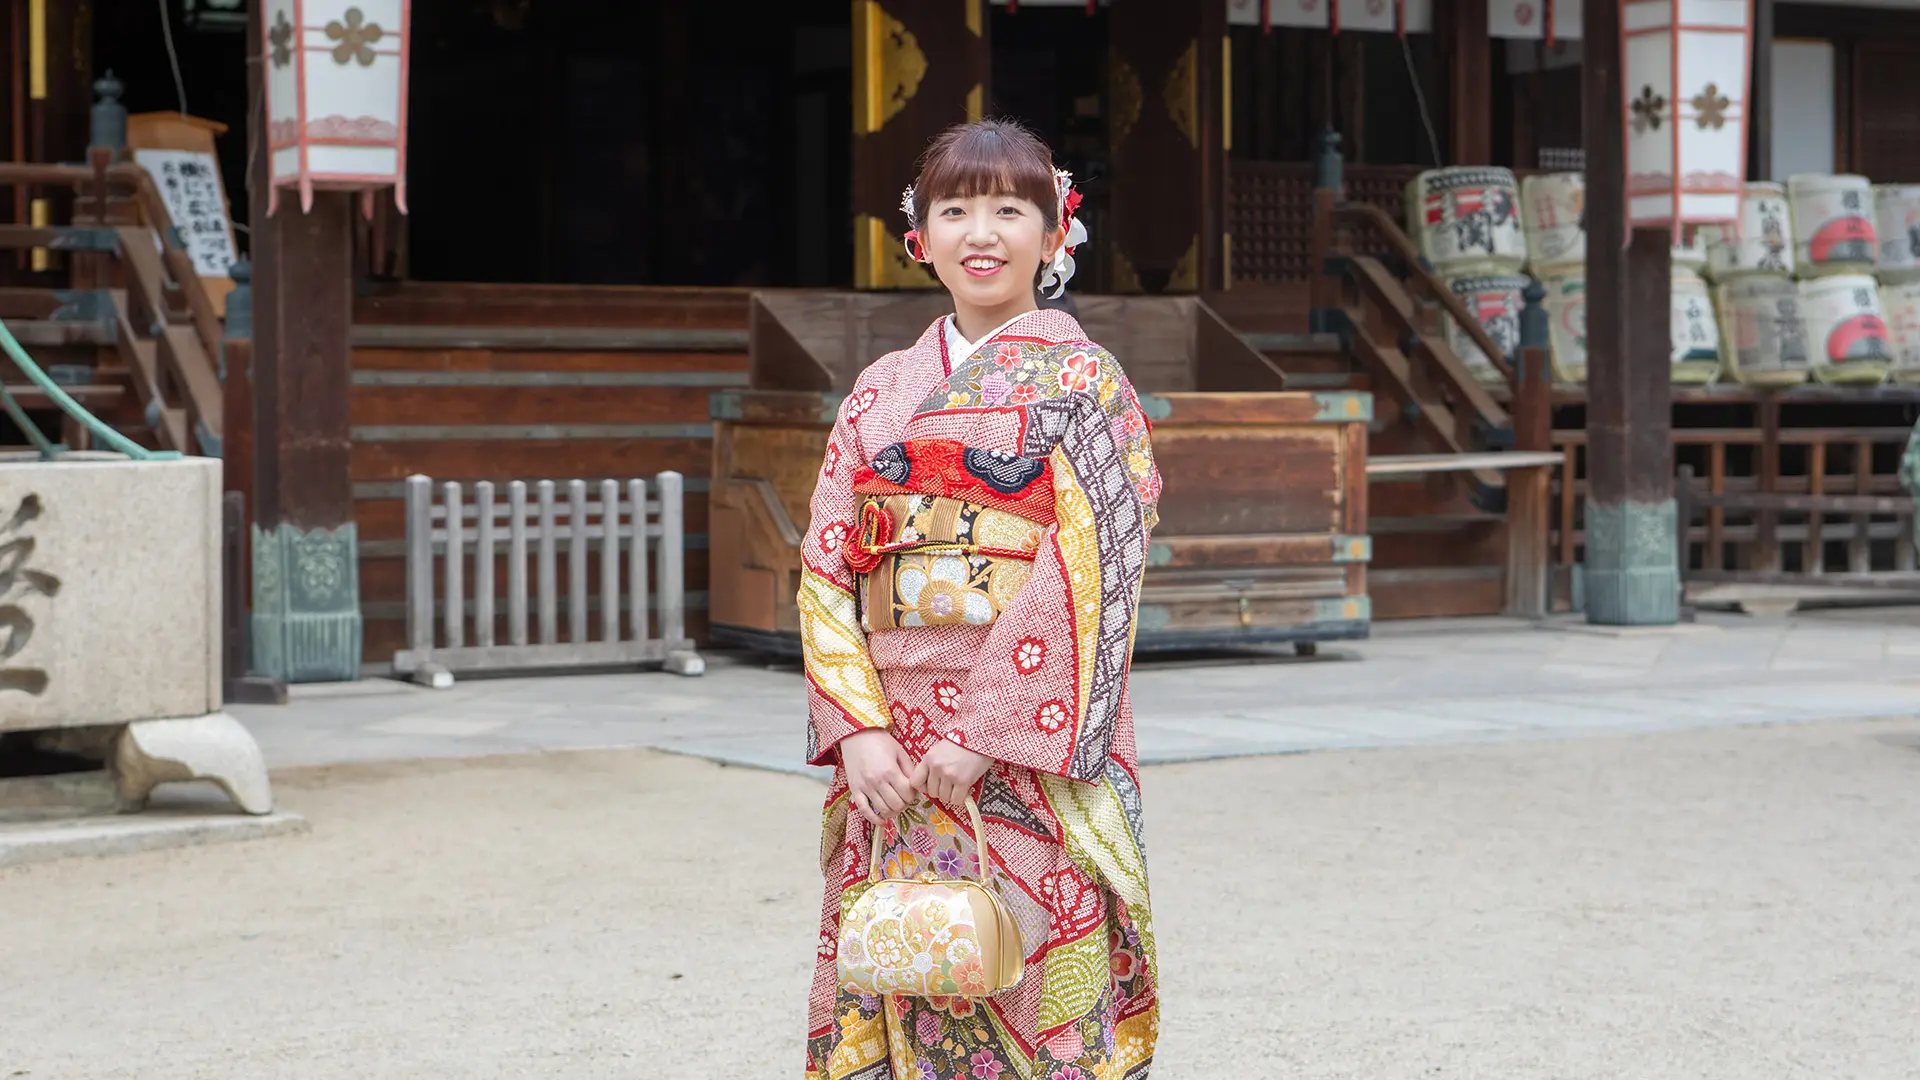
[[336, 88], [1685, 66]]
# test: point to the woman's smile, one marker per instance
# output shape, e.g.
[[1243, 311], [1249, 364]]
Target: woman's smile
[[982, 265]]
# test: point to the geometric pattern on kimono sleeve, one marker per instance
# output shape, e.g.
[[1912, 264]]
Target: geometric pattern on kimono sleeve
[[1088, 451]]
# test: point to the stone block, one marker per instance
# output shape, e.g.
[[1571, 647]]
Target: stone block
[[109, 590]]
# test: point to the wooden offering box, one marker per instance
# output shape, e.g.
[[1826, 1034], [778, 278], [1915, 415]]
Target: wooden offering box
[[1262, 535]]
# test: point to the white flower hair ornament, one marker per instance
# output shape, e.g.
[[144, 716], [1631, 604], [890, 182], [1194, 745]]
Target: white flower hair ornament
[[1060, 270]]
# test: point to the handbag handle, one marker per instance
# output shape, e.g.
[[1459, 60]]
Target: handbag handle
[[979, 840]]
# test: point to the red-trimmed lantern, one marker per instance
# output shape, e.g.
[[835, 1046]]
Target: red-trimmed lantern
[[336, 90], [1685, 66]]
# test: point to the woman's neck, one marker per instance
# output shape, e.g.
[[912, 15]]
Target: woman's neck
[[976, 322]]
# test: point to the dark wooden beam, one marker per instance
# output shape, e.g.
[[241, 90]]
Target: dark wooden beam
[[1169, 169], [1760, 94], [1470, 60], [306, 618], [1631, 562]]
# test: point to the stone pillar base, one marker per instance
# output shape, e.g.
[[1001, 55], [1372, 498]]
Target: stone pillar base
[[1632, 565], [306, 624]]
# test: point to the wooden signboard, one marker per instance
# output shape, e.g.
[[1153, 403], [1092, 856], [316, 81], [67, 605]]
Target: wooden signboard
[[178, 151]]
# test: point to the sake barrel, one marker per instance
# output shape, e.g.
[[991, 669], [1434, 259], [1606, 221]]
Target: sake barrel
[[1696, 340], [1550, 209], [1832, 224], [1901, 303], [1846, 331], [1496, 300], [1467, 218], [1764, 331], [1762, 241], [1691, 254], [1896, 219], [1566, 304]]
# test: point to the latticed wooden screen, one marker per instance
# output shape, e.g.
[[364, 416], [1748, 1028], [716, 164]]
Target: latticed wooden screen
[[1272, 213]]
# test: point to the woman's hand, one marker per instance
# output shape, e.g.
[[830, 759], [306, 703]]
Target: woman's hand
[[949, 771], [878, 771]]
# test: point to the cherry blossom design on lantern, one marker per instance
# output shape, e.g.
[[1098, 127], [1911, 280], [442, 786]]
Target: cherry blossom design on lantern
[[1052, 717], [1006, 355], [833, 460], [1079, 372], [861, 402], [947, 695], [356, 38], [1029, 655], [281, 38], [834, 535]]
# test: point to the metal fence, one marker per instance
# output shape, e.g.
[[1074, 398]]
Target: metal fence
[[608, 531]]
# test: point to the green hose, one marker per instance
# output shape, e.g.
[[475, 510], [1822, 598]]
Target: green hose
[[60, 397]]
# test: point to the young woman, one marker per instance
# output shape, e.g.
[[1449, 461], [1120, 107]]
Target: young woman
[[972, 572]]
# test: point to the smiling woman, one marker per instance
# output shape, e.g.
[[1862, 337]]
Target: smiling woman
[[972, 573]]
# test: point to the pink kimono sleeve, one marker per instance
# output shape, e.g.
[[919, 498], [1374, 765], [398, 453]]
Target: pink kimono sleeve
[[843, 689], [1048, 689]]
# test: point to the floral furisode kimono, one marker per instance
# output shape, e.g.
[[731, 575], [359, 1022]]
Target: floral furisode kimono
[[1027, 455]]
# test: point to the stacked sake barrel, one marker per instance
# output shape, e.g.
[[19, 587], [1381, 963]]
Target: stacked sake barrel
[[1836, 252], [1466, 222], [1751, 264], [1897, 219], [1557, 255]]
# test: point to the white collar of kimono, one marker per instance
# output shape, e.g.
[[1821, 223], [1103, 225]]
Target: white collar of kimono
[[959, 349]]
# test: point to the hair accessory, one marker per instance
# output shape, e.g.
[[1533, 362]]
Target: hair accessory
[[1060, 270], [916, 250]]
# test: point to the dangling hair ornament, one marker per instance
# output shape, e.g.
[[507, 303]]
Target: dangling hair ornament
[[915, 249], [1060, 270]]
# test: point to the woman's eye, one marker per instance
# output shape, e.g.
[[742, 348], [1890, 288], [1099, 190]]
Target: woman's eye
[[1011, 211], [951, 211]]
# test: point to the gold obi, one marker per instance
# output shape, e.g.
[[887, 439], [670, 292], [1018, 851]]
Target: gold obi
[[931, 560]]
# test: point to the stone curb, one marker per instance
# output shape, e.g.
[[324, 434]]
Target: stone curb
[[22, 845]]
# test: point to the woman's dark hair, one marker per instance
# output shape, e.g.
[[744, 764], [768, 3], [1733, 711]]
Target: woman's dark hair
[[987, 157]]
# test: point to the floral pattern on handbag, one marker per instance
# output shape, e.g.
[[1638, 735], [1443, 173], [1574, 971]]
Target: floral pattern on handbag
[[929, 936]]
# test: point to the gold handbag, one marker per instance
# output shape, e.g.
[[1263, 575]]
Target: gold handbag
[[929, 936]]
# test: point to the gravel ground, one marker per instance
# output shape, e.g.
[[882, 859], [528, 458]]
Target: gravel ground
[[1728, 904]]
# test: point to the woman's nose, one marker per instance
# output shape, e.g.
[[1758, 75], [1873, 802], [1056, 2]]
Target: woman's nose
[[980, 231]]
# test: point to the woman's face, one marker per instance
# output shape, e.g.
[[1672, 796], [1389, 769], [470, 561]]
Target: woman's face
[[987, 249]]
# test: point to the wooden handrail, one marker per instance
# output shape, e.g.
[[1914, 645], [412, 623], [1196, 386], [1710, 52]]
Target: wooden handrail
[[1389, 231]]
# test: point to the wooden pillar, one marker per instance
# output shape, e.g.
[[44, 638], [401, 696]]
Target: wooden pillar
[[306, 596], [1167, 143], [1470, 61], [1760, 94], [1631, 562], [919, 67]]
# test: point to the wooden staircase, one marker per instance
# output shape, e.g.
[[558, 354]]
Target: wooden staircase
[[1443, 454], [109, 305]]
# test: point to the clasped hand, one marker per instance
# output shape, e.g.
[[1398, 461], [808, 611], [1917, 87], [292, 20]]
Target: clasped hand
[[885, 779]]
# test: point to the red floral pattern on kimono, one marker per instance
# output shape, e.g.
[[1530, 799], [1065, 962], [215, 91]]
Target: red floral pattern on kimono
[[1042, 689]]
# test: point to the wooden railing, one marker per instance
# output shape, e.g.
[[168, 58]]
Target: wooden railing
[[162, 321], [1768, 507]]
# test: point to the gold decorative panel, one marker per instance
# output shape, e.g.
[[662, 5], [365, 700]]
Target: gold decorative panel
[[888, 66], [1182, 92]]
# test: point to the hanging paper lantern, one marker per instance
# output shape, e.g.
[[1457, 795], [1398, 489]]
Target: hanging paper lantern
[[1685, 67], [336, 89]]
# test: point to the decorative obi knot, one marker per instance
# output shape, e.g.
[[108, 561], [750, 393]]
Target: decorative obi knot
[[947, 533]]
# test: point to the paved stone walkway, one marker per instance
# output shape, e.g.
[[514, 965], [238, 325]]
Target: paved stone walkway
[[1414, 683]]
